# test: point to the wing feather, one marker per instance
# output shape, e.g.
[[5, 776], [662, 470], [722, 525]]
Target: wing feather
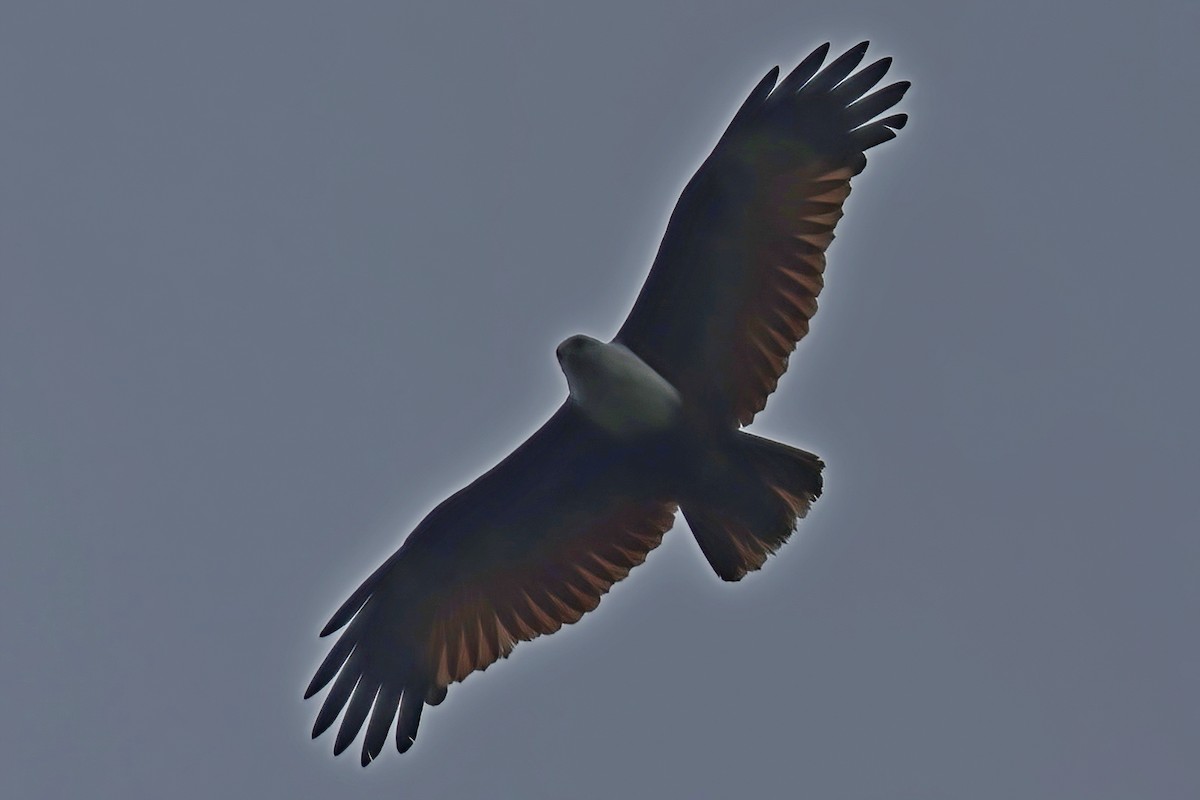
[[529, 547], [745, 246]]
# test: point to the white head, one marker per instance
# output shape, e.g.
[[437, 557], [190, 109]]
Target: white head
[[577, 355], [571, 348]]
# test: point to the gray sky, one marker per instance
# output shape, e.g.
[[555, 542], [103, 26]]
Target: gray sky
[[277, 277]]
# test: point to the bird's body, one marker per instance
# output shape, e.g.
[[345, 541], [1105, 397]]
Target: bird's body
[[651, 424]]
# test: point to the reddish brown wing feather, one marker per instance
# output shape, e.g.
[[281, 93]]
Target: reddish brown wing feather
[[797, 216], [528, 547], [485, 619], [736, 279]]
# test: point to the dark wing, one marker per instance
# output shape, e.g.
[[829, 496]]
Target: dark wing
[[528, 547], [738, 272]]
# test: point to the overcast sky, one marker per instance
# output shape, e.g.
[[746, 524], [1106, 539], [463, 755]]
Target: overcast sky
[[277, 277]]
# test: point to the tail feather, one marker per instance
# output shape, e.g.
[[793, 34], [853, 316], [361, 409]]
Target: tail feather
[[746, 505]]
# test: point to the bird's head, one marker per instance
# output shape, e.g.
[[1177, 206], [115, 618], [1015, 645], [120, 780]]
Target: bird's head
[[577, 357], [573, 347]]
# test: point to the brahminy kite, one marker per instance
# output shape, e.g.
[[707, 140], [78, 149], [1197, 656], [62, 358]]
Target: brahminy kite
[[652, 422]]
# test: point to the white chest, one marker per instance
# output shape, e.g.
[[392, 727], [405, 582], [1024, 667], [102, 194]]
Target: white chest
[[620, 392]]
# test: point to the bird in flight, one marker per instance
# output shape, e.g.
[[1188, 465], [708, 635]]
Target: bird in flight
[[652, 423]]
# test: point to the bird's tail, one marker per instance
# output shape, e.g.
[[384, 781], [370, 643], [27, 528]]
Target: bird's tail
[[743, 501]]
